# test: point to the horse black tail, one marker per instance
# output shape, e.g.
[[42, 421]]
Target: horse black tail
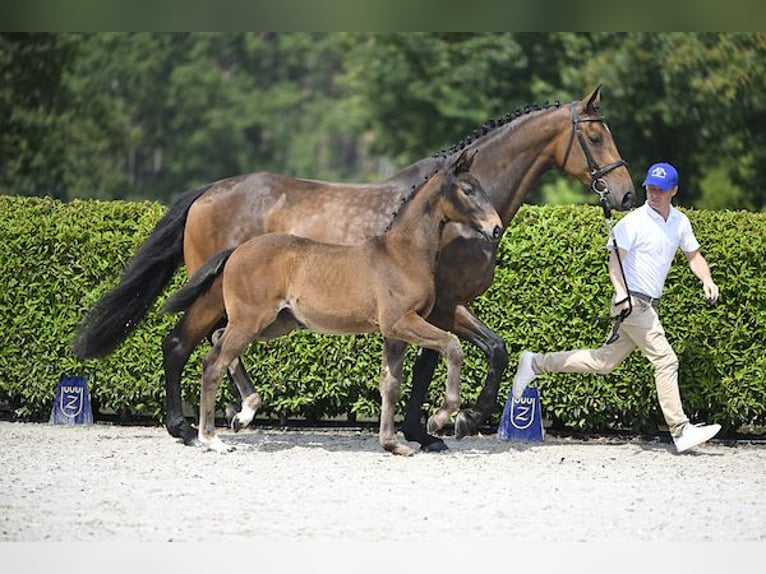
[[198, 284], [120, 311]]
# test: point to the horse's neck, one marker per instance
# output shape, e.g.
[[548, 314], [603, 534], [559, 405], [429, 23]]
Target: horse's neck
[[512, 157], [415, 174]]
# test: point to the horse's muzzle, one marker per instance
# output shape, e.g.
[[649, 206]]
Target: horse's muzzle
[[494, 235]]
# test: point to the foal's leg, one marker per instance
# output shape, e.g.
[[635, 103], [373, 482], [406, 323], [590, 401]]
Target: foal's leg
[[251, 400], [225, 351], [462, 322], [443, 316], [414, 329], [390, 383]]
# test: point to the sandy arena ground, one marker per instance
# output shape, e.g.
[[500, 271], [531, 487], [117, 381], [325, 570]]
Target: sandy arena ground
[[127, 483]]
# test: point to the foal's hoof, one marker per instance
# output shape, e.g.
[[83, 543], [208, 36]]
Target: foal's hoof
[[433, 426], [217, 445], [402, 450], [466, 423], [397, 448], [237, 424]]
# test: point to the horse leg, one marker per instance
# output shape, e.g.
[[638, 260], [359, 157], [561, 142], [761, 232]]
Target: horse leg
[[414, 329], [390, 383], [470, 328], [177, 347], [212, 372], [413, 429], [453, 354], [467, 326], [251, 400], [226, 350], [176, 351], [422, 374]]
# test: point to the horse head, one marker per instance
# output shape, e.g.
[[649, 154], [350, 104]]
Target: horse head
[[587, 151], [466, 202]]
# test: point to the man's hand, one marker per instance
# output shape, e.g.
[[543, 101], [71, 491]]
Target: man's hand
[[711, 291], [622, 304]]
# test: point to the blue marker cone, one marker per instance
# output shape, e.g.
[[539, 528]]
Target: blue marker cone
[[71, 405], [522, 419]]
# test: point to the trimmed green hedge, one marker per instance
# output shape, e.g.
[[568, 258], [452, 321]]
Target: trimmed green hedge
[[551, 284]]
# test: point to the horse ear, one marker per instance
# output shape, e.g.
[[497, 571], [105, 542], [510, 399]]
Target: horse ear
[[594, 101], [464, 161]]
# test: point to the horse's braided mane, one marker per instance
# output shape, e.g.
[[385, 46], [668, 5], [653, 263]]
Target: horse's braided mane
[[488, 127], [492, 125]]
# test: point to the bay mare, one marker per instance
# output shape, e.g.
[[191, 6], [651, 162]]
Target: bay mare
[[275, 283], [514, 151]]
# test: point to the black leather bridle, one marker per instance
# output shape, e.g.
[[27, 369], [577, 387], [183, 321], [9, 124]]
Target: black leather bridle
[[597, 182], [599, 185]]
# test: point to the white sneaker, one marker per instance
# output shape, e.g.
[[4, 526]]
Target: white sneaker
[[524, 374], [692, 435]]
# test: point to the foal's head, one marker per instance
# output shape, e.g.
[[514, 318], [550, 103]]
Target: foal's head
[[462, 199]]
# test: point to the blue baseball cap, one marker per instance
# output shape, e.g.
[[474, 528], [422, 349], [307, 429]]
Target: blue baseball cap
[[662, 175]]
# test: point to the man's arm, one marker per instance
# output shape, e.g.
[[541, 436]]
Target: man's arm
[[700, 268], [615, 276]]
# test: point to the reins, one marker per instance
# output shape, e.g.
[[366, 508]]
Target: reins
[[624, 313], [599, 186]]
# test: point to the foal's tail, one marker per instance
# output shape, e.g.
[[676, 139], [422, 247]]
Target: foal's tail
[[198, 284], [120, 311]]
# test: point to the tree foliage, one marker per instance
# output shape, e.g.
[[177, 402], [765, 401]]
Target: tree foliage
[[147, 115]]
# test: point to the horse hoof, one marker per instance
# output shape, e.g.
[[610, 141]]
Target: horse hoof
[[217, 445], [397, 448], [434, 445], [190, 437], [402, 450], [192, 441], [466, 423], [180, 429]]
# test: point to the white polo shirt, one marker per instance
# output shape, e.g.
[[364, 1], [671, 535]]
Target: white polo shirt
[[651, 243]]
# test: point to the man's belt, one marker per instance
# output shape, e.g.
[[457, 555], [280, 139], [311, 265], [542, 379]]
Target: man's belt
[[653, 301]]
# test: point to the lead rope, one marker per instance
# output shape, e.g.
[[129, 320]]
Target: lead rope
[[624, 313]]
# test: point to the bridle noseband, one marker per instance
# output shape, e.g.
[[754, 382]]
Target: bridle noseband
[[597, 182]]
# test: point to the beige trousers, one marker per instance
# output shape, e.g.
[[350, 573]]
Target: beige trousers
[[641, 329]]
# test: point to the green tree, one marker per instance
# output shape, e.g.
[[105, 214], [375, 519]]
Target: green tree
[[424, 91], [147, 115], [694, 99], [35, 112]]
